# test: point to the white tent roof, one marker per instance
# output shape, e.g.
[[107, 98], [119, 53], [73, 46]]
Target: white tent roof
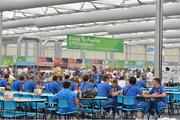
[[126, 19]]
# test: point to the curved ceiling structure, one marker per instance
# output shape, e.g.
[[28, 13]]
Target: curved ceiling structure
[[95, 16], [7, 5], [130, 23]]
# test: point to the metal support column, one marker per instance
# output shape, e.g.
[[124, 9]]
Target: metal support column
[[37, 49], [179, 55], [159, 39], [19, 45], [1, 29], [145, 53], [5, 49], [56, 50], [82, 54], [126, 54], [112, 58], [26, 48]]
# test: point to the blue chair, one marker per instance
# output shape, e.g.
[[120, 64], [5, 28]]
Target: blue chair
[[128, 104], [9, 110], [176, 100], [63, 104], [52, 107], [88, 108], [120, 103]]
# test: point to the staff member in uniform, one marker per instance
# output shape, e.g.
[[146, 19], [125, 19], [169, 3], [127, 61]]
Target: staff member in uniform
[[18, 84], [69, 96], [159, 92], [104, 89], [86, 84], [4, 82], [29, 84], [132, 90], [53, 86], [141, 83]]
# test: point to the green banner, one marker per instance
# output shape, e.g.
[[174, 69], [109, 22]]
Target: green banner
[[21, 59], [148, 63], [94, 43], [119, 64], [7, 60], [131, 62]]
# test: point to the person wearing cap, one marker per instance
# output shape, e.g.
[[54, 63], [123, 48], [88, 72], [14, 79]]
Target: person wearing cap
[[86, 84], [75, 84], [53, 86], [18, 84], [29, 84], [69, 96], [4, 82]]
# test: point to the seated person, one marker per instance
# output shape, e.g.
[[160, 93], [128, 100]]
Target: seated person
[[142, 83], [86, 84], [159, 92], [18, 84], [40, 84], [69, 96], [104, 89], [4, 82], [29, 84], [116, 90], [53, 86], [132, 90], [75, 84], [66, 78]]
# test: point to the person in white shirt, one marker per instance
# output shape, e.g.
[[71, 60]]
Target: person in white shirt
[[149, 77]]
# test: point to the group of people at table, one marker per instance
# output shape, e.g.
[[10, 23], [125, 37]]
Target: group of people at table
[[63, 88]]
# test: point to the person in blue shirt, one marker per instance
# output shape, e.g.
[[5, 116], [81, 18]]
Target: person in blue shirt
[[86, 84], [66, 78], [158, 92], [29, 84], [69, 96], [75, 85], [18, 84], [104, 89], [132, 90], [141, 83], [53, 86], [116, 90], [40, 84], [4, 82]]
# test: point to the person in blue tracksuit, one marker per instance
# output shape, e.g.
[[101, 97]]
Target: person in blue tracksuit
[[4, 82], [75, 84], [86, 84], [132, 90], [29, 84], [141, 83], [158, 91], [66, 78], [53, 86], [18, 84], [116, 90], [40, 84], [69, 96], [104, 89]]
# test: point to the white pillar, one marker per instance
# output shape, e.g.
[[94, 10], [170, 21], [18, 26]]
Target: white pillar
[[19, 45], [1, 29], [159, 39], [26, 48]]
